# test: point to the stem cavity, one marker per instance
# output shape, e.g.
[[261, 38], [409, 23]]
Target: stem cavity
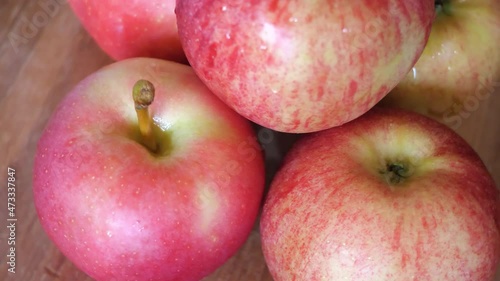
[[397, 172]]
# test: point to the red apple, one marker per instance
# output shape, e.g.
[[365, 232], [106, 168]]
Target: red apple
[[121, 210], [391, 195], [132, 28], [460, 65], [302, 66]]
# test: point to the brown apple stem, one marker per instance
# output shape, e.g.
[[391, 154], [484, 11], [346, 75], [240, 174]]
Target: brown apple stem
[[143, 94]]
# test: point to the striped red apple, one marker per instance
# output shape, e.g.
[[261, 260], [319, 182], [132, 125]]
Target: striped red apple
[[303, 66], [392, 195]]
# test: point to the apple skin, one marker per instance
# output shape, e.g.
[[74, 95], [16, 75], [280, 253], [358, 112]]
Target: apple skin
[[132, 28], [120, 212], [459, 67], [302, 66], [331, 215]]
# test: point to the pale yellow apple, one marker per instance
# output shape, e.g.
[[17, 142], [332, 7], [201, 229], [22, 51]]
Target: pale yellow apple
[[460, 66]]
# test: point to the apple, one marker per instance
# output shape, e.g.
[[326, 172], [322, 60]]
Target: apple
[[302, 66], [168, 192], [459, 66], [132, 28], [392, 195]]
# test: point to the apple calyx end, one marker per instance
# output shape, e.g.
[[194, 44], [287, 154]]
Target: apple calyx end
[[397, 172]]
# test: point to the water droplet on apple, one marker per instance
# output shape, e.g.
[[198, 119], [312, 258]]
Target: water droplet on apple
[[164, 125], [224, 8], [414, 73]]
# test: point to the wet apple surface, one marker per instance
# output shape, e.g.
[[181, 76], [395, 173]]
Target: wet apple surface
[[298, 66], [460, 65]]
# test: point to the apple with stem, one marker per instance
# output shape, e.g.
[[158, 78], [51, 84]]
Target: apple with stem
[[459, 65], [302, 66], [132, 28], [392, 195], [168, 191]]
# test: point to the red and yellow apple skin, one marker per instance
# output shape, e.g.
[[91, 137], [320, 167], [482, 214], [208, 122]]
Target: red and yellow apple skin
[[132, 28], [335, 212], [120, 212], [459, 67], [302, 66]]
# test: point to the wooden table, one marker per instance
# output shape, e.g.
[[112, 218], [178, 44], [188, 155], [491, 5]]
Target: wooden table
[[38, 66]]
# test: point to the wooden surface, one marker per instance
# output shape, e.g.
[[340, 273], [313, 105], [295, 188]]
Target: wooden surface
[[37, 68]]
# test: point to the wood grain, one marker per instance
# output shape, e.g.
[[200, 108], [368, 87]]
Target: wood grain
[[38, 66]]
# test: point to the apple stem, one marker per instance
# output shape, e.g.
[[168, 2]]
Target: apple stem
[[143, 94], [397, 172], [442, 7]]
